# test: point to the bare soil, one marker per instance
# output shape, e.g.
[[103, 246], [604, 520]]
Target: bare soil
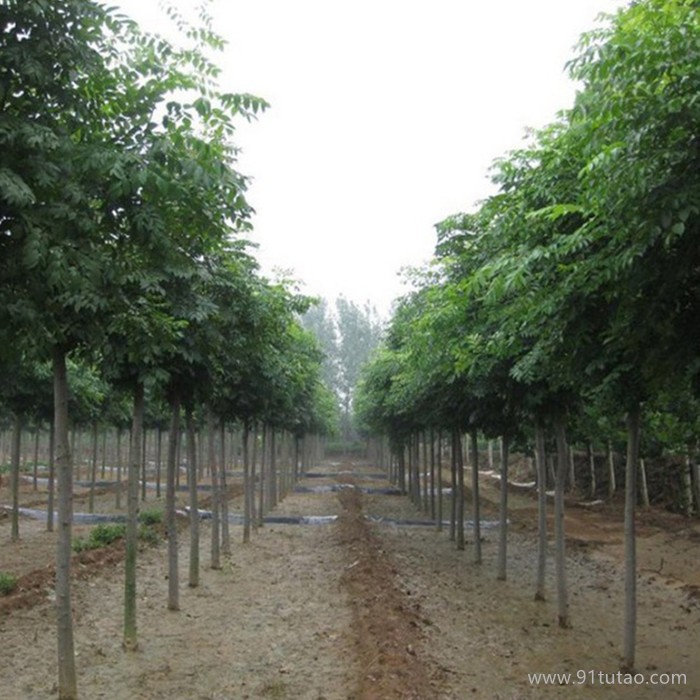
[[358, 610]]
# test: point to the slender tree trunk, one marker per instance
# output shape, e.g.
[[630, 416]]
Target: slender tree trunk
[[216, 493], [171, 469], [103, 463], [503, 512], [453, 484], [248, 493], [644, 491], [272, 490], [193, 581], [476, 503], [67, 681], [612, 485], [591, 462], [695, 477], [130, 642], [432, 474], [630, 638], [572, 470], [559, 488], [52, 474], [142, 447], [35, 464], [541, 467], [225, 529], [439, 482], [118, 503], [263, 469], [14, 473], [93, 468], [159, 457], [460, 489]]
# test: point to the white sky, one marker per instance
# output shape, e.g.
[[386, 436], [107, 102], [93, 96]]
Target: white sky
[[385, 117]]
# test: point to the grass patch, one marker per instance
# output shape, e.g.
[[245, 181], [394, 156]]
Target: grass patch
[[8, 583], [100, 536]]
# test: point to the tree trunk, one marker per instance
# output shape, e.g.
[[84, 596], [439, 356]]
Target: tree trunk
[[453, 484], [248, 492], [541, 467], [460, 488], [159, 457], [118, 497], [67, 681], [559, 488], [142, 446], [591, 463], [35, 463], [612, 485], [193, 581], [14, 473], [225, 530], [52, 474], [93, 468], [503, 512], [695, 471], [644, 491], [132, 520], [432, 474], [572, 471], [216, 493], [633, 436], [171, 468], [476, 505], [272, 490], [438, 479], [263, 470]]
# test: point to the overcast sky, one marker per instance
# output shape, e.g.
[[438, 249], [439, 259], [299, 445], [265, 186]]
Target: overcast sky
[[385, 116]]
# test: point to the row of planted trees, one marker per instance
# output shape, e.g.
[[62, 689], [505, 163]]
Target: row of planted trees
[[122, 254], [565, 308]]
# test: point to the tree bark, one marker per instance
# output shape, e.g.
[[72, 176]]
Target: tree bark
[[630, 637], [130, 642], [541, 467], [559, 488], [159, 457], [460, 488], [503, 512], [272, 486], [476, 505], [225, 530], [93, 468], [644, 491], [35, 461], [14, 473], [695, 472], [438, 479], [67, 681], [118, 496], [248, 493], [453, 484], [216, 493], [432, 474], [591, 463], [193, 580], [612, 485], [263, 470], [170, 516], [52, 474]]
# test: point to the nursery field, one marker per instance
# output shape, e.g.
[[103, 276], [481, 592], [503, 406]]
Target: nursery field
[[361, 605]]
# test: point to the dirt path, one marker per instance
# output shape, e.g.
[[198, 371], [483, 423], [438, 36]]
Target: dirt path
[[356, 611]]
